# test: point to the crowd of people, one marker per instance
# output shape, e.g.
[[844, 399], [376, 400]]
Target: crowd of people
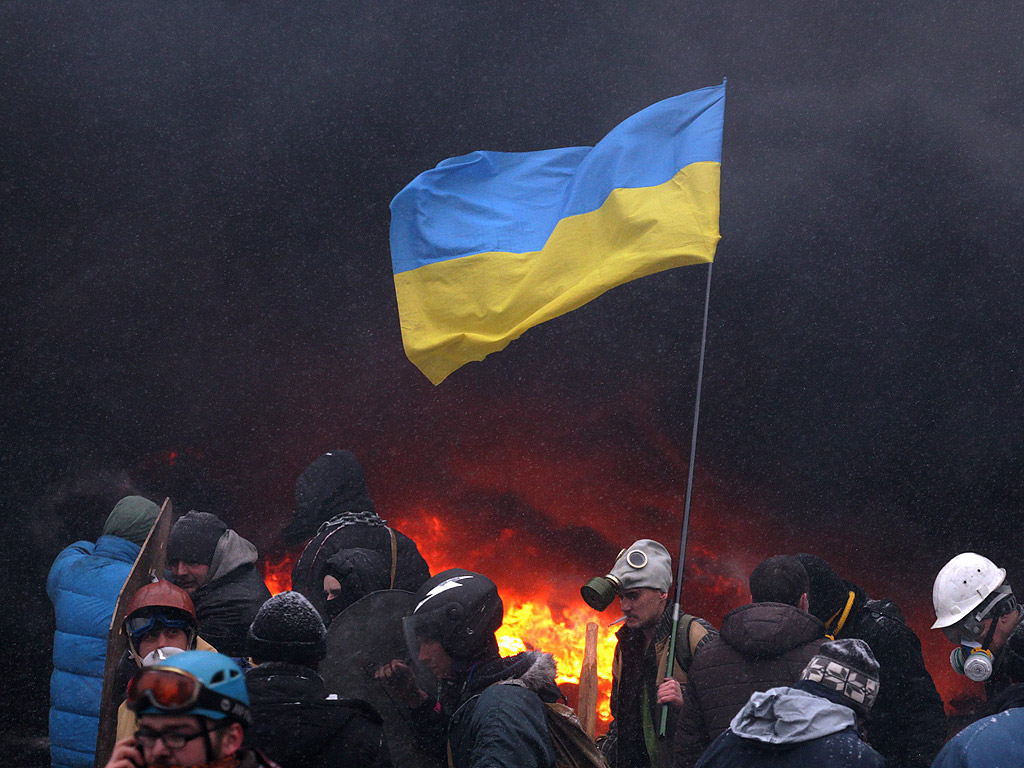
[[812, 672]]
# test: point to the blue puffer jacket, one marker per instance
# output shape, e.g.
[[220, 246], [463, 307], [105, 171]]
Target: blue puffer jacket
[[83, 586]]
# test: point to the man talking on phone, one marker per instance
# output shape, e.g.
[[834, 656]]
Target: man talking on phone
[[193, 709]]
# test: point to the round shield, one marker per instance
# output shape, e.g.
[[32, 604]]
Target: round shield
[[365, 636]]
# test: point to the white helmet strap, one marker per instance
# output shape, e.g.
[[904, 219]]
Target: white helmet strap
[[971, 625]]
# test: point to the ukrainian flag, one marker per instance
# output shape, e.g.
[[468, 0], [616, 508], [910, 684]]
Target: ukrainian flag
[[489, 244]]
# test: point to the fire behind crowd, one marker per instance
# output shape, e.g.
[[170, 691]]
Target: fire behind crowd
[[538, 577]]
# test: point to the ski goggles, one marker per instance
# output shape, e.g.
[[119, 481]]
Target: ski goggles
[[174, 691], [138, 626]]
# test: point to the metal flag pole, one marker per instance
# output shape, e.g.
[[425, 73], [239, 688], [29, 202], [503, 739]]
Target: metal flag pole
[[670, 662]]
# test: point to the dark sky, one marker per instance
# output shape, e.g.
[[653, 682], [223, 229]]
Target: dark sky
[[193, 229]]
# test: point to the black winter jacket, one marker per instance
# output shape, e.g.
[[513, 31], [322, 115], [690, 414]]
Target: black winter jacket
[[761, 646], [228, 602], [908, 722], [999, 680], [297, 726], [488, 722], [342, 533]]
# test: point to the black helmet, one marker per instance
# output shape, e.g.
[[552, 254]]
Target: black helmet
[[459, 609]]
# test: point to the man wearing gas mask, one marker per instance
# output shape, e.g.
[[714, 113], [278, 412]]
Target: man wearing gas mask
[[641, 578], [977, 611]]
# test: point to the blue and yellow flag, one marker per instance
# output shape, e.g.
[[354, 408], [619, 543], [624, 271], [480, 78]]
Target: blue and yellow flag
[[487, 245]]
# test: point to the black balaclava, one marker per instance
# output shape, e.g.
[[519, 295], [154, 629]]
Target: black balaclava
[[360, 572], [332, 484]]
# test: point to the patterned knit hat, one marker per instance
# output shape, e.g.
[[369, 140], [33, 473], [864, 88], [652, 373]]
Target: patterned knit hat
[[849, 668]]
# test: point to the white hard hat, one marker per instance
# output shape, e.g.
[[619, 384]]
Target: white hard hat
[[962, 585]]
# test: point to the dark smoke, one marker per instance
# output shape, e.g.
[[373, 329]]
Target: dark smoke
[[194, 240]]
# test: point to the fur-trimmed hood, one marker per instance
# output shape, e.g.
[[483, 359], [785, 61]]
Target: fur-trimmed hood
[[540, 672], [533, 670]]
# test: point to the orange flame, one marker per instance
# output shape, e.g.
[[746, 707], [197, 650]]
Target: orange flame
[[531, 625], [277, 573]]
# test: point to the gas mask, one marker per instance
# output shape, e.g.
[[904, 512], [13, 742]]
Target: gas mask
[[972, 658], [645, 563], [972, 661]]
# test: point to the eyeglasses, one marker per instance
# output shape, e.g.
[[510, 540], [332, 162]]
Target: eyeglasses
[[147, 737], [175, 691]]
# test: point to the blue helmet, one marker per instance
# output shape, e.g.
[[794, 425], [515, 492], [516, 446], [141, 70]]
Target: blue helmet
[[212, 686]]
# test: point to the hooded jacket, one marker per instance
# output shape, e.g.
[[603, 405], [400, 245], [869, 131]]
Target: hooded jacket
[[791, 728], [908, 721], [500, 720], [761, 646], [493, 713], [333, 506], [299, 726], [83, 586], [232, 595], [637, 672]]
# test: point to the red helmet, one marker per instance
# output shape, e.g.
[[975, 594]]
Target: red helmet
[[160, 602]]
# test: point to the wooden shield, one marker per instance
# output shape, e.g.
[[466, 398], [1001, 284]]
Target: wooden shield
[[361, 639], [148, 565]]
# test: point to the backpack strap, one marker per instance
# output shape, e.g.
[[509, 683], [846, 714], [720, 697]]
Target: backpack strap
[[694, 634], [684, 651], [394, 557]]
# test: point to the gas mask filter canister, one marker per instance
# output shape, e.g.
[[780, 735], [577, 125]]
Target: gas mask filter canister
[[600, 591], [974, 663], [645, 564]]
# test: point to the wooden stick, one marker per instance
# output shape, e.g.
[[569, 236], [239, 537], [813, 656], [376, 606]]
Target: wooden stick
[[150, 562], [588, 683]]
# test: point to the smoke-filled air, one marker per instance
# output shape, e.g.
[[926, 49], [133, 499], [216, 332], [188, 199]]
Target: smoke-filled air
[[486, 255]]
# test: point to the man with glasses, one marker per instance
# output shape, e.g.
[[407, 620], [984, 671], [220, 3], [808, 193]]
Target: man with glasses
[[193, 710]]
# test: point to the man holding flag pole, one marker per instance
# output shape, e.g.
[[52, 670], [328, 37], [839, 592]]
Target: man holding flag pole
[[490, 244]]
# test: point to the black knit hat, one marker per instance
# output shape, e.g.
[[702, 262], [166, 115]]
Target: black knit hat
[[849, 668], [828, 592], [193, 539], [287, 628]]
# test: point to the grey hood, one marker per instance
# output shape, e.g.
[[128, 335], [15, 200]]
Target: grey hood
[[232, 552], [790, 716]]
